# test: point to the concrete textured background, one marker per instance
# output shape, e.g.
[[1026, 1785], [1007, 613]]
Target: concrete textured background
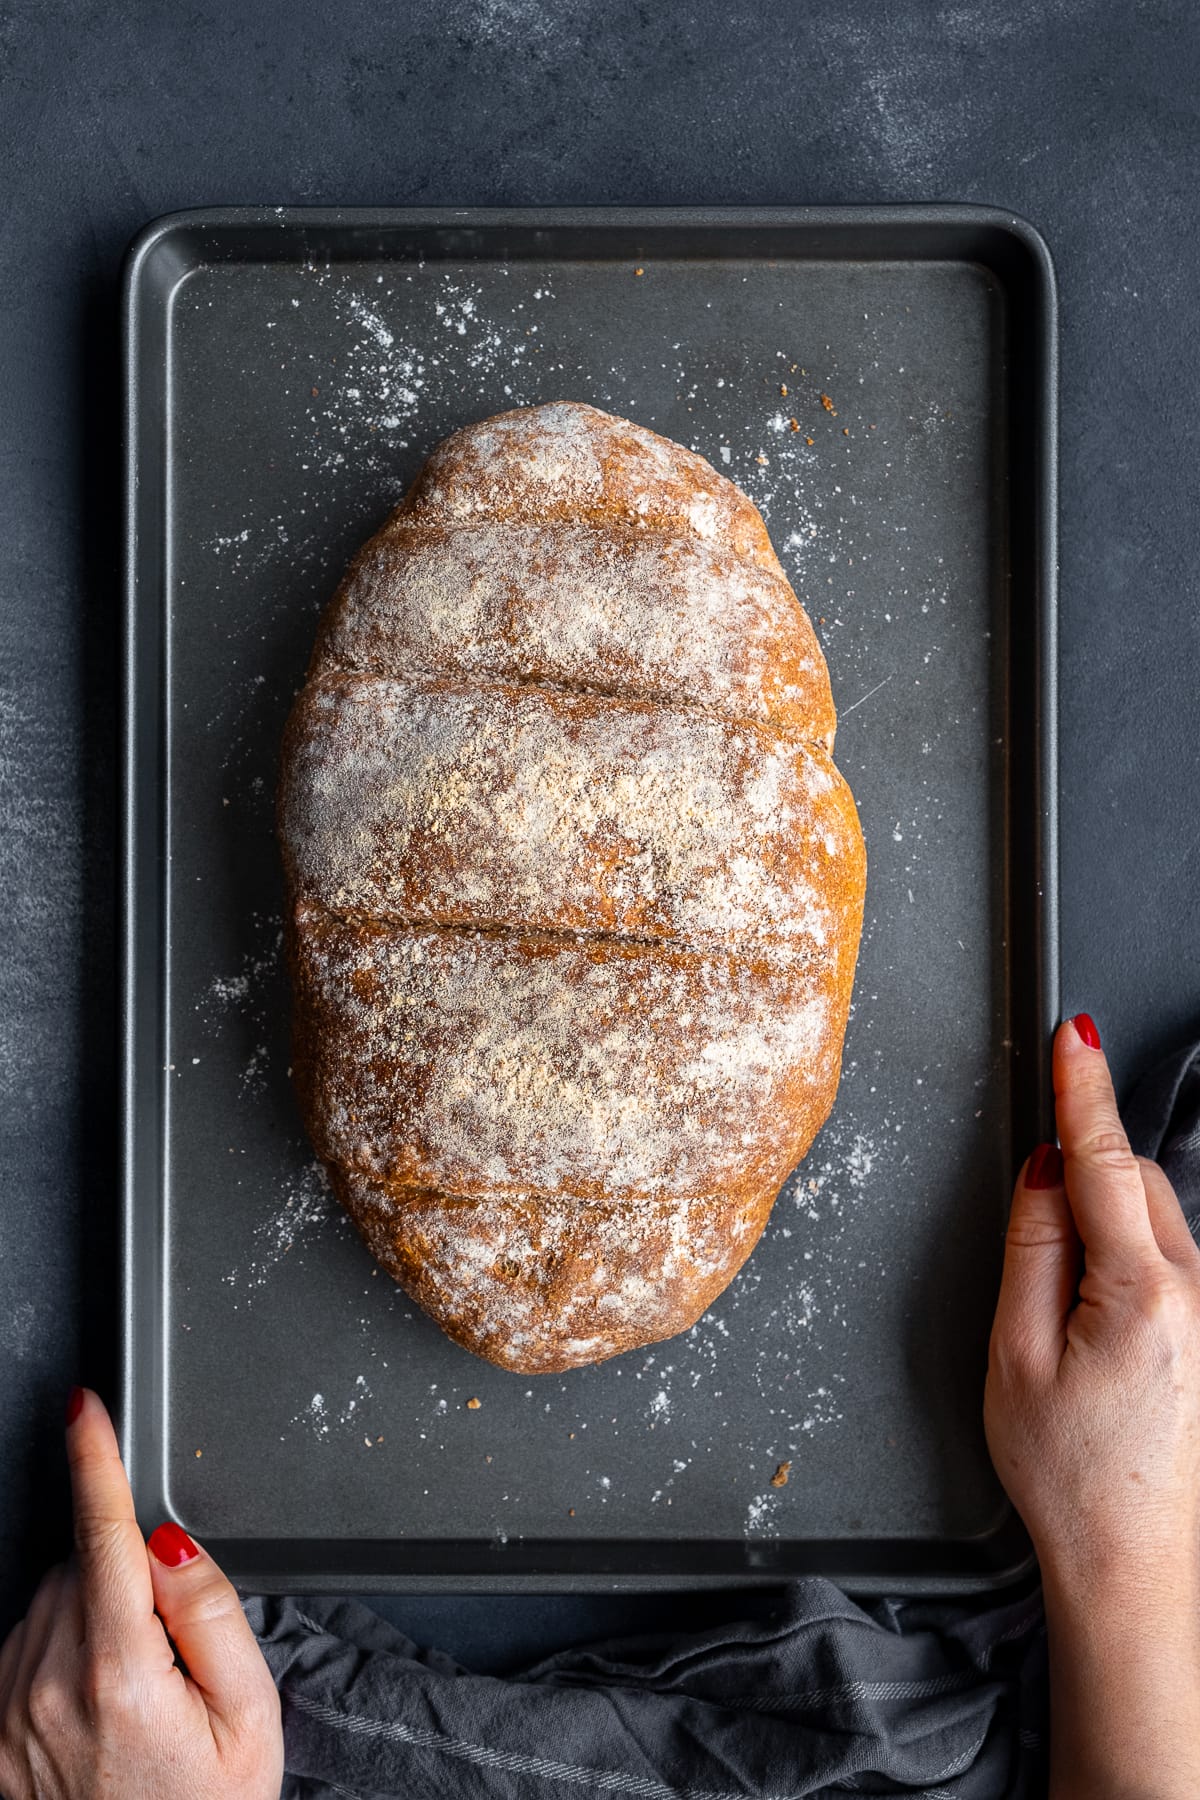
[[1083, 116]]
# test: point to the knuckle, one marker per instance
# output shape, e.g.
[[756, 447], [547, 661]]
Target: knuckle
[[1166, 1308], [48, 1702], [106, 1684], [1013, 1355], [1105, 1146], [211, 1601], [96, 1532], [1032, 1233], [252, 1713], [1161, 1329], [261, 1706]]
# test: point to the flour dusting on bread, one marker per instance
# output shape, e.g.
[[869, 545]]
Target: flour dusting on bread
[[575, 889]]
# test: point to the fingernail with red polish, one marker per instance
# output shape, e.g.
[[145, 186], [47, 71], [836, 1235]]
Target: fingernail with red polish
[[1045, 1168], [74, 1404], [171, 1545], [1085, 1025]]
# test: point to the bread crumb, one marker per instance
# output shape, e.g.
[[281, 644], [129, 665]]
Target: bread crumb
[[783, 389], [809, 440], [639, 271], [845, 431], [473, 1404], [780, 1477], [570, 1512], [827, 403], [795, 424], [199, 1453]]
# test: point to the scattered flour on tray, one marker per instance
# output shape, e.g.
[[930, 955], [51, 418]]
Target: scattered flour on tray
[[659, 1410], [246, 998], [361, 1392], [306, 1212], [318, 1415], [372, 404], [762, 1515], [315, 1414]]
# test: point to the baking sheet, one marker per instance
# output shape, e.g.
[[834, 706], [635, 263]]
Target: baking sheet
[[288, 372]]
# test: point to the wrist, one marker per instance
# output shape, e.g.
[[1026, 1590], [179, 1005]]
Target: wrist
[[1157, 1591], [1124, 1653]]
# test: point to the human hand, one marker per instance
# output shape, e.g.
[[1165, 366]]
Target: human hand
[[1092, 1414], [92, 1702], [1092, 1410]]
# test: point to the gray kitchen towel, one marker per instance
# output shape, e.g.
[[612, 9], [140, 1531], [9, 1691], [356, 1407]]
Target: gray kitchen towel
[[937, 1700], [1162, 1119]]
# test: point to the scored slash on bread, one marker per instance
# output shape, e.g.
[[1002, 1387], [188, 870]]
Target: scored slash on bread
[[482, 802], [611, 606], [575, 889]]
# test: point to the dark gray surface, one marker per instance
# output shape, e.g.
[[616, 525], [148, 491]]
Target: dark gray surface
[[292, 403], [1084, 117]]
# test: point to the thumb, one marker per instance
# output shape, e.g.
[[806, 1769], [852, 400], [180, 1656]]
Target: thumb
[[1041, 1265], [203, 1616]]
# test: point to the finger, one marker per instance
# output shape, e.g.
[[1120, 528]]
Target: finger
[[1042, 1258], [38, 1622], [1167, 1219], [13, 1770], [118, 1600], [202, 1613], [66, 1628], [9, 1657], [1104, 1182]]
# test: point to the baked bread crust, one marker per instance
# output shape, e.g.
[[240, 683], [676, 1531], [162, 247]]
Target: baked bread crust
[[575, 890]]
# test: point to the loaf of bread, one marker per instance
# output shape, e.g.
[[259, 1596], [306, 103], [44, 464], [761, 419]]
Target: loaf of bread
[[574, 889]]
